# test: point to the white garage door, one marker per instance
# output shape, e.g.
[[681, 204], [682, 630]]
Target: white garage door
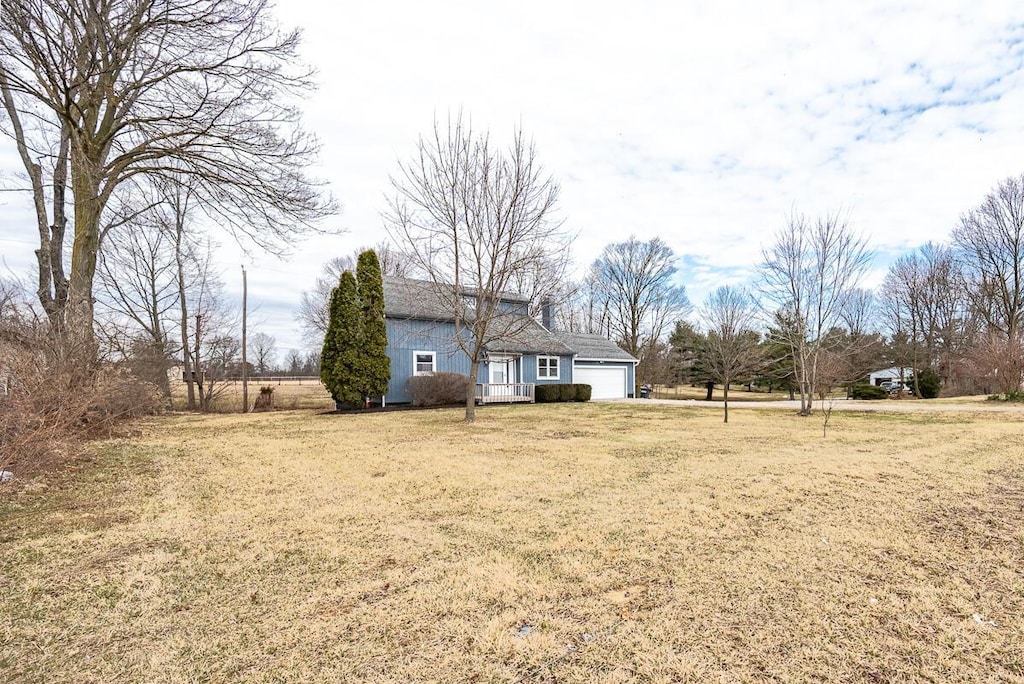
[[607, 382]]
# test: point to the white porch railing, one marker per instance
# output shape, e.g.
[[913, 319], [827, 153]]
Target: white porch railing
[[491, 393]]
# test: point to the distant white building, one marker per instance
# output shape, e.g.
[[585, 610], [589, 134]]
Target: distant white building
[[894, 374]]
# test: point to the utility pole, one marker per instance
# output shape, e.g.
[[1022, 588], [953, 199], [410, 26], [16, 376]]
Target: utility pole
[[245, 363], [198, 367]]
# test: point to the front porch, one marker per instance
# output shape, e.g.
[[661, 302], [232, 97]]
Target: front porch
[[504, 393]]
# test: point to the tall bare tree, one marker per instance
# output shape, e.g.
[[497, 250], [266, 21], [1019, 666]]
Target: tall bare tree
[[732, 348], [115, 90], [635, 290], [479, 221], [927, 310], [138, 292], [808, 273], [578, 307], [990, 241]]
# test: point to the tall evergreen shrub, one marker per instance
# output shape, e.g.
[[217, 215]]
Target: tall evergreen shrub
[[341, 374], [329, 352], [374, 365]]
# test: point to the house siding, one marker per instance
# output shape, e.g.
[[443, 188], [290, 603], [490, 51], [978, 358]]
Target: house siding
[[406, 336], [529, 370]]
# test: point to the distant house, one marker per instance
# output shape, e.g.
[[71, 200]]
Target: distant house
[[422, 340], [896, 374]]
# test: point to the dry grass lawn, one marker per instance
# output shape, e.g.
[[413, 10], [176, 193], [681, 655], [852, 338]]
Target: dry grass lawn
[[736, 393], [569, 543], [306, 393]]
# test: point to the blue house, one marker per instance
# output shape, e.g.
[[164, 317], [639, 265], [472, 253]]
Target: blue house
[[422, 340]]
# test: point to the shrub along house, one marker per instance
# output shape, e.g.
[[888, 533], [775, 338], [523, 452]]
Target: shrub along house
[[422, 340]]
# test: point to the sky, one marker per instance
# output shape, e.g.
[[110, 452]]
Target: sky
[[706, 124]]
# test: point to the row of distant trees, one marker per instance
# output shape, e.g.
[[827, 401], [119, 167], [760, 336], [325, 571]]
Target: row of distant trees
[[806, 321]]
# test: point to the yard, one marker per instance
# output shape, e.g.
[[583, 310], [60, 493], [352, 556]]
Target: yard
[[569, 543]]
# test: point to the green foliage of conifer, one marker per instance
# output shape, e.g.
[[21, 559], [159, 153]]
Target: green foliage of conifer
[[354, 365], [329, 353], [340, 371], [374, 365]]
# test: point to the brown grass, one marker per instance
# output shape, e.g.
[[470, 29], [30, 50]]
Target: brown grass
[[288, 395], [736, 393], [570, 543]]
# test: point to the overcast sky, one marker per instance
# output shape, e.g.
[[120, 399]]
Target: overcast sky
[[703, 123]]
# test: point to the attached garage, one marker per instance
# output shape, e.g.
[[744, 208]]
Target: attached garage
[[607, 382], [600, 363]]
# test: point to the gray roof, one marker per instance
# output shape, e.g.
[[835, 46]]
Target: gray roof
[[408, 298], [588, 346], [533, 339]]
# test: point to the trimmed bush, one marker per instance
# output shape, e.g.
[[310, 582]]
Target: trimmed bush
[[545, 394], [868, 392], [1008, 396], [439, 389], [549, 393]]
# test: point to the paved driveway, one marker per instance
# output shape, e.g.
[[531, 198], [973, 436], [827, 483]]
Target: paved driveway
[[886, 405]]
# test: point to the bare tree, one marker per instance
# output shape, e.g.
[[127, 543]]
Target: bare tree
[[732, 348], [312, 314], [116, 90], [478, 221], [293, 362], [634, 288], [578, 307], [808, 273], [926, 307], [990, 242], [213, 350], [263, 348], [139, 291]]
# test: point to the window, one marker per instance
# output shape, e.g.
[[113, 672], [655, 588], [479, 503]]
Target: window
[[547, 367], [424, 362]]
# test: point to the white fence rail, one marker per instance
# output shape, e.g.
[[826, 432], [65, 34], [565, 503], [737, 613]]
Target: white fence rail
[[493, 393]]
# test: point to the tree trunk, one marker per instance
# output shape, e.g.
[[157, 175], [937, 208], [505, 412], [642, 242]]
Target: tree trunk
[[474, 366], [725, 396], [710, 386], [83, 256], [806, 386], [186, 355]]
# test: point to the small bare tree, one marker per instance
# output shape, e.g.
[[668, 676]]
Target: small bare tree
[[808, 273], [478, 221], [732, 348]]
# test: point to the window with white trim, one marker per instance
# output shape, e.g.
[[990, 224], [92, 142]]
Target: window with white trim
[[424, 362], [547, 368]]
